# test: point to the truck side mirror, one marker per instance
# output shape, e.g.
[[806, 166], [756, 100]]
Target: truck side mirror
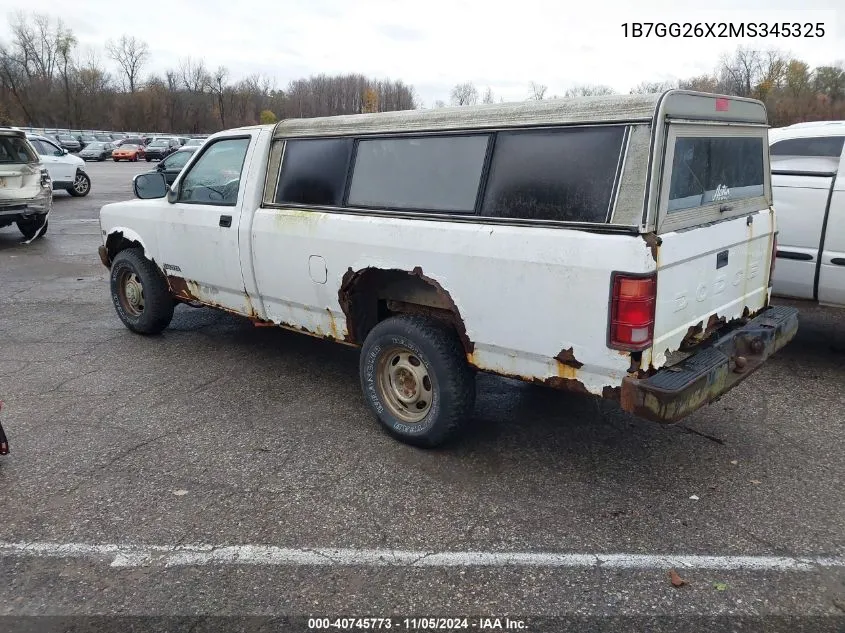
[[150, 185]]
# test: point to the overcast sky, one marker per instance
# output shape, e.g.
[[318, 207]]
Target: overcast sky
[[434, 44]]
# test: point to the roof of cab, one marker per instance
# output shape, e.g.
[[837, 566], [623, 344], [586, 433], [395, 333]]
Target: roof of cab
[[581, 110]]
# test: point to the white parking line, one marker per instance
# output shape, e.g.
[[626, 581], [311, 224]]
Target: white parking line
[[195, 555]]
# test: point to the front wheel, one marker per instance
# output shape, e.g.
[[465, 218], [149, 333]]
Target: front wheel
[[416, 380], [33, 228], [140, 293], [81, 185], [149, 159]]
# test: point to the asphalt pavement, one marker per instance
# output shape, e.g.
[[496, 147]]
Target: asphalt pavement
[[221, 435]]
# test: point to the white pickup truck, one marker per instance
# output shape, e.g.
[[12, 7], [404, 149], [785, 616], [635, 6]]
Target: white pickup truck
[[808, 182], [614, 246]]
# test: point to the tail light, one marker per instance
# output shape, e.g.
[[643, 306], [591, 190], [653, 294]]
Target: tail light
[[774, 257], [632, 303]]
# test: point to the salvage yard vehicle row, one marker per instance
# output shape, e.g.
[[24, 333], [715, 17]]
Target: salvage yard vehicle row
[[616, 246]]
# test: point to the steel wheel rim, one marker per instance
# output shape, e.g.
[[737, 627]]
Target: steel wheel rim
[[405, 384], [80, 184], [131, 293]]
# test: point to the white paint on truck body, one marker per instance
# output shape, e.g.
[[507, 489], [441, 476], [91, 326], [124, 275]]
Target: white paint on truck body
[[525, 291]]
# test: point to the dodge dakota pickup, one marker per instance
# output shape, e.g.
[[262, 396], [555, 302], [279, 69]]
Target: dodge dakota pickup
[[619, 247]]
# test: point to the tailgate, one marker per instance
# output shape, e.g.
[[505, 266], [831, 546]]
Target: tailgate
[[709, 276]]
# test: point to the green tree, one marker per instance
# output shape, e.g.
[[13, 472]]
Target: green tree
[[267, 116]]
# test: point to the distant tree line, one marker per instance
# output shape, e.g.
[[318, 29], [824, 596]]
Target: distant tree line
[[47, 81], [790, 88]]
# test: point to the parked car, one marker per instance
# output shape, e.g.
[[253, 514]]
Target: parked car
[[97, 150], [193, 142], [66, 170], [172, 166], [26, 194], [632, 237], [161, 147], [128, 152], [69, 143], [808, 183], [134, 140], [86, 139]]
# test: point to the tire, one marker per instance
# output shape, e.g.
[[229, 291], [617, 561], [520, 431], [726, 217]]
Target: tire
[[419, 349], [29, 228], [149, 159], [147, 309], [115, 160], [81, 186]]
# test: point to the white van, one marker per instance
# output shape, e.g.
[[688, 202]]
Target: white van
[[808, 183], [614, 246]]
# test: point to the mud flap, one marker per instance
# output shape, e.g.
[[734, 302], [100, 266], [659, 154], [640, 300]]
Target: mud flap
[[38, 232]]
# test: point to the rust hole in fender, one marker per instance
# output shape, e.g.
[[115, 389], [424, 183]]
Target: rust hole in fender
[[567, 357], [371, 294]]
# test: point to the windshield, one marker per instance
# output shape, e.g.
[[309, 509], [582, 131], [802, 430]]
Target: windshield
[[128, 146], [65, 137], [193, 142], [158, 143], [707, 170], [178, 160], [14, 149], [96, 146], [103, 138]]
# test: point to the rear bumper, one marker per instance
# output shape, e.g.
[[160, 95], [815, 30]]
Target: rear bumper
[[674, 392]]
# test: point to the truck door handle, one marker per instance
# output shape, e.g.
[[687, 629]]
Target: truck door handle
[[839, 261], [226, 221]]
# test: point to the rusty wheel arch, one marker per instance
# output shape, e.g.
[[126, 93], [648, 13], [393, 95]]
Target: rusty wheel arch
[[372, 294], [116, 242]]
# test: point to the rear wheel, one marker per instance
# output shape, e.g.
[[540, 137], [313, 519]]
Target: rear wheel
[[33, 228], [81, 185], [416, 380], [148, 159], [140, 294]]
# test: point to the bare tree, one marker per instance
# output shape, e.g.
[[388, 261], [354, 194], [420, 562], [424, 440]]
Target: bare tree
[[464, 94], [439, 104], [194, 76], [702, 83], [488, 95], [589, 90], [652, 87], [131, 54], [741, 72], [537, 91], [218, 89]]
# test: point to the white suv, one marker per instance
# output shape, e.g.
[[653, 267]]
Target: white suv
[[66, 170]]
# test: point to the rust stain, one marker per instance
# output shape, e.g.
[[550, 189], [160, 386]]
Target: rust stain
[[363, 282], [610, 393], [332, 324], [567, 357], [653, 242], [566, 371], [566, 384]]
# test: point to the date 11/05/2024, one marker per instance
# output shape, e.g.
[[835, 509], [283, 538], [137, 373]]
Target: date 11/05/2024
[[417, 624], [723, 29]]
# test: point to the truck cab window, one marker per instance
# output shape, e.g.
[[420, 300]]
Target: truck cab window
[[215, 177]]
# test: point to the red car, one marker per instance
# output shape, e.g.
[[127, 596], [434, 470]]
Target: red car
[[128, 151]]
